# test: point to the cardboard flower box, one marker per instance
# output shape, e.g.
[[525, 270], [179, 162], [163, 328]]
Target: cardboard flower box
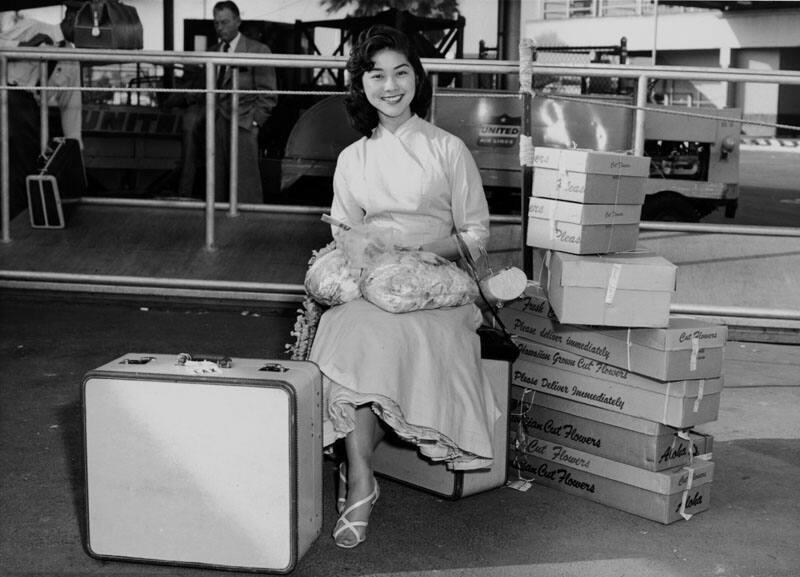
[[703, 444], [664, 496], [679, 404], [582, 228], [632, 289], [615, 436], [590, 161], [686, 348], [588, 188], [669, 481]]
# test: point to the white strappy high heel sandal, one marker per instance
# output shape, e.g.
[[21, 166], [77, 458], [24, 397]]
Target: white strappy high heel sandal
[[345, 524]]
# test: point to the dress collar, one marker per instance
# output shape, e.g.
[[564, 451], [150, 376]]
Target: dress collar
[[407, 127]]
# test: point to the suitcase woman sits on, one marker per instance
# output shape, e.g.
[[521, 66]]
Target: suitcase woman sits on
[[417, 373]]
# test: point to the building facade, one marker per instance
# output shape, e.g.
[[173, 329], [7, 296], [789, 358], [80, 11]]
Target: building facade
[[752, 35]]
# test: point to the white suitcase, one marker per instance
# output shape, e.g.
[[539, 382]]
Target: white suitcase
[[214, 463], [402, 462]]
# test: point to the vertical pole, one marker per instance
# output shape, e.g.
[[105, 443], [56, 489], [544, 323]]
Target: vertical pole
[[434, 85], [210, 152], [655, 32], [233, 181], [44, 121], [527, 187], [501, 42], [509, 23], [641, 102], [725, 62], [460, 38], [5, 179], [169, 40], [527, 56], [460, 49], [169, 26]]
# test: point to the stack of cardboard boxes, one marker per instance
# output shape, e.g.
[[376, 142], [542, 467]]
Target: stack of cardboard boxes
[[608, 385], [585, 202]]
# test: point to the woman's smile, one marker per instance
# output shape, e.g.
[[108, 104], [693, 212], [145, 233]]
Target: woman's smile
[[390, 87]]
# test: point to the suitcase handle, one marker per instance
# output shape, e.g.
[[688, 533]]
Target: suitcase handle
[[274, 368], [221, 362], [136, 361]]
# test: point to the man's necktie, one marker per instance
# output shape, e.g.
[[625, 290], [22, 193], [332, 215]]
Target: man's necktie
[[221, 72]]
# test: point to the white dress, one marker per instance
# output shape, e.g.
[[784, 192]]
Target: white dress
[[420, 371]]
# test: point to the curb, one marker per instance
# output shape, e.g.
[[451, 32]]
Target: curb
[[770, 143]]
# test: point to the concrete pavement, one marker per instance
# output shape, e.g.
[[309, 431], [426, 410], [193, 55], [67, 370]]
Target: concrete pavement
[[47, 345]]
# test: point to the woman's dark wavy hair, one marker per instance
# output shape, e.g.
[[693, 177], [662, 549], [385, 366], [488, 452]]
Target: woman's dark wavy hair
[[363, 116]]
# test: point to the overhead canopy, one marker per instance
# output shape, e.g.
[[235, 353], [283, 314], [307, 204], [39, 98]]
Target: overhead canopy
[[10, 5], [726, 6], [26, 4]]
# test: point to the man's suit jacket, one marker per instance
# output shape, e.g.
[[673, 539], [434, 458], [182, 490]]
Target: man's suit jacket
[[252, 107]]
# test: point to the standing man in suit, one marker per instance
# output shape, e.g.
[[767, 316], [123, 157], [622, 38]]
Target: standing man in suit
[[254, 109]]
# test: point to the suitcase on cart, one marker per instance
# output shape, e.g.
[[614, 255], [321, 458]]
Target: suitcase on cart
[[108, 24], [60, 177], [205, 462], [401, 461]]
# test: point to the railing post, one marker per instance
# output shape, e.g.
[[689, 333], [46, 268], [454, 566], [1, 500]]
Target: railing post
[[527, 186], [233, 181], [210, 152], [434, 77], [527, 56], [5, 179], [44, 120], [641, 102]]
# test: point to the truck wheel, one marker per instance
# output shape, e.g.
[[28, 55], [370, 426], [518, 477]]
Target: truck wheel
[[669, 207]]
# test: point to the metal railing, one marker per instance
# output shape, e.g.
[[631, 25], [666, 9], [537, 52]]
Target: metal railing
[[212, 60]]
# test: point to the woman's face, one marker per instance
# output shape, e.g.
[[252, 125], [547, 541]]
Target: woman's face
[[390, 87]]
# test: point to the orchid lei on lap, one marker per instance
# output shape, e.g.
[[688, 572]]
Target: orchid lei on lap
[[366, 263]]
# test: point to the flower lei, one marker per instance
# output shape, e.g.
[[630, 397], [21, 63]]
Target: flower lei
[[305, 326]]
